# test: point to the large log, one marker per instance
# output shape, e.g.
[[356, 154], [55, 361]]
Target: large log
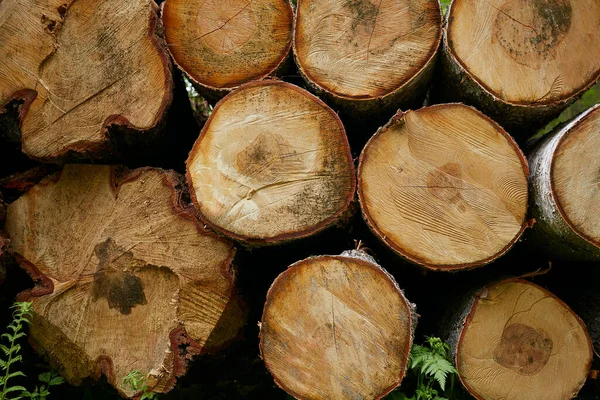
[[336, 327], [126, 277], [565, 188], [91, 75], [520, 61], [365, 57], [514, 340], [224, 44], [272, 163], [444, 187]]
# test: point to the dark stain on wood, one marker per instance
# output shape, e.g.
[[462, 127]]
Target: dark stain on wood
[[441, 182], [115, 280], [523, 349], [530, 30]]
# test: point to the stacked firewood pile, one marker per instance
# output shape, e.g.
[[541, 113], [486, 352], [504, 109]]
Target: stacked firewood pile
[[362, 177]]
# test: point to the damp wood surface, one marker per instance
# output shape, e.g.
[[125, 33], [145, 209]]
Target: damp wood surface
[[521, 342], [272, 163], [444, 186], [365, 49], [565, 182], [78, 74], [527, 51], [223, 44], [336, 327], [124, 275]]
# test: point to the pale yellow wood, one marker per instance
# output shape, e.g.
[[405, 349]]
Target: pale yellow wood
[[520, 342], [224, 43], [365, 49], [127, 267], [271, 162], [527, 51], [336, 328], [444, 186], [576, 177], [87, 60]]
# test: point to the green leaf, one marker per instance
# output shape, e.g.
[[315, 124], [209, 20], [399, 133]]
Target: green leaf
[[57, 380], [15, 374], [45, 377], [10, 389]]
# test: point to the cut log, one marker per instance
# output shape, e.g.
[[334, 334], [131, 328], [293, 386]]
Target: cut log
[[91, 75], [565, 186], [126, 277], [336, 327], [222, 45], [368, 57], [272, 163], [515, 340], [444, 186], [520, 61]]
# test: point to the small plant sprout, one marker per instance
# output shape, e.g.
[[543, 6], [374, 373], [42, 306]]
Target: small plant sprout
[[10, 351], [136, 382]]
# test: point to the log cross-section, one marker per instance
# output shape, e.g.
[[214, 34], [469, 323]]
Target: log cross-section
[[126, 277], [444, 186], [336, 327], [517, 341], [82, 67], [520, 61], [272, 163], [367, 55]]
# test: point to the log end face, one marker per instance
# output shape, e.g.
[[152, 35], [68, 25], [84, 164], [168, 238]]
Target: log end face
[[322, 335], [256, 179], [530, 341], [436, 208], [222, 45]]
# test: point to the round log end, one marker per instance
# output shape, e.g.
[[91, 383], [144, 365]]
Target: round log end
[[336, 327], [362, 50], [126, 277], [575, 177], [272, 163], [527, 52], [444, 186], [222, 45], [79, 76], [521, 342]]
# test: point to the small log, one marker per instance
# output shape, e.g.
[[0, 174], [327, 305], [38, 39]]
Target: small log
[[444, 187], [272, 163], [515, 340], [367, 58], [520, 61], [336, 327], [223, 44], [565, 175], [91, 75], [126, 277]]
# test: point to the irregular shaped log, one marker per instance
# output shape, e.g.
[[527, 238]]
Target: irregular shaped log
[[368, 58], [87, 86], [444, 186], [222, 45], [272, 163], [515, 340], [126, 277], [565, 185], [520, 61], [336, 327]]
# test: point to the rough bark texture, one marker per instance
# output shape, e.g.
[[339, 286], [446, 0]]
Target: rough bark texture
[[222, 45], [368, 60], [528, 60], [567, 228], [86, 86], [514, 340], [444, 187], [272, 163], [126, 278], [337, 327]]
